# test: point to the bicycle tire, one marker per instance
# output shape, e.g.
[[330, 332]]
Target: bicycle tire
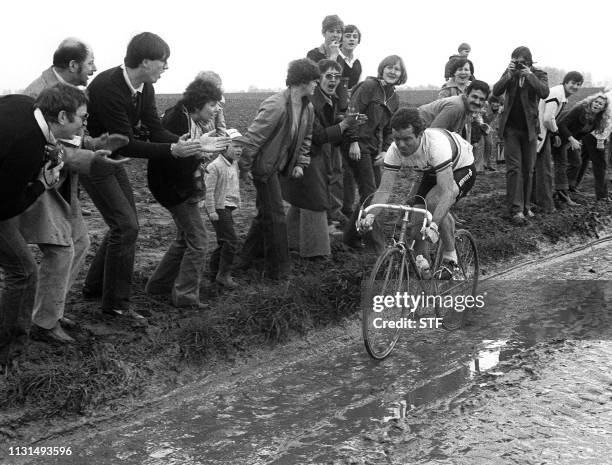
[[389, 276], [465, 284]]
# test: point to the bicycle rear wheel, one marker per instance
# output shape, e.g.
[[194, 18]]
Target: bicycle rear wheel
[[389, 277], [464, 284]]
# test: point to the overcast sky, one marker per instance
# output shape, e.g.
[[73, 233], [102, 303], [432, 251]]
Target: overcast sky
[[251, 42]]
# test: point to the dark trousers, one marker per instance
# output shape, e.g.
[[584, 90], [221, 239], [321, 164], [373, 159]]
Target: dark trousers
[[111, 270], [222, 257], [336, 192], [180, 270], [543, 178], [348, 184], [368, 177], [268, 232], [488, 150], [567, 166], [520, 154], [598, 157], [20, 276]]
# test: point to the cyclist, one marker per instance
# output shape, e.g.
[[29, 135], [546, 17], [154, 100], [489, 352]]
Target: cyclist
[[446, 162]]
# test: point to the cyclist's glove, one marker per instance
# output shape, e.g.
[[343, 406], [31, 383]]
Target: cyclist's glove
[[365, 224], [431, 233]]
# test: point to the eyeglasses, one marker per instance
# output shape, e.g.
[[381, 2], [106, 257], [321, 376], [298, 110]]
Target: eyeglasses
[[351, 35], [333, 77]]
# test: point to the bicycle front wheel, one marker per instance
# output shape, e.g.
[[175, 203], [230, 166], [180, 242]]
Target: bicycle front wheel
[[379, 323]]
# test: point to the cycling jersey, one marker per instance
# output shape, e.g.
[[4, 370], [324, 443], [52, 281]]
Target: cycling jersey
[[435, 153]]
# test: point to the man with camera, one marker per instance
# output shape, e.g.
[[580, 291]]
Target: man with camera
[[524, 86], [122, 101], [30, 163], [55, 221]]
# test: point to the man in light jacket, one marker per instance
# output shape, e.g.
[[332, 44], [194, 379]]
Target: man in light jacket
[[278, 145]]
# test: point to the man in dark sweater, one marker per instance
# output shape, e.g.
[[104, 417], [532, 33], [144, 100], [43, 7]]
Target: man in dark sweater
[[174, 184], [122, 101], [29, 164]]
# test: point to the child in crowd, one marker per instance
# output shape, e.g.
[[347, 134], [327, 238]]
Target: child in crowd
[[493, 143], [221, 199]]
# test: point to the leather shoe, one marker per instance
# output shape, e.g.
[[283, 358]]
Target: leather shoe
[[134, 316], [55, 334], [68, 322], [226, 281]]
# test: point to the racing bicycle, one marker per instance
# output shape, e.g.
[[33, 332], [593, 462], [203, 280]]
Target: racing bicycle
[[396, 273]]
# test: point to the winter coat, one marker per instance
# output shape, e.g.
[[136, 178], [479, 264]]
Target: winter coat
[[534, 88], [450, 89], [574, 123], [56, 218], [270, 147], [378, 102], [311, 191], [171, 180]]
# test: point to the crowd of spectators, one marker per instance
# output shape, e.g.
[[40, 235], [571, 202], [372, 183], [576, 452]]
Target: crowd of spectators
[[310, 151]]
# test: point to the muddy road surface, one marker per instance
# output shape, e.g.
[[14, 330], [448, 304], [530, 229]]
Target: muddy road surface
[[542, 338]]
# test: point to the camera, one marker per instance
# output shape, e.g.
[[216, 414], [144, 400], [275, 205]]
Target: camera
[[519, 66], [53, 154], [141, 132]]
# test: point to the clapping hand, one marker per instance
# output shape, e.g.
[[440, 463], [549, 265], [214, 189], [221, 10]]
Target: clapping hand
[[187, 148], [214, 144], [107, 141]]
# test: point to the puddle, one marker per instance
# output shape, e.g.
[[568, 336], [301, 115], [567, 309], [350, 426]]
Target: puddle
[[306, 410]]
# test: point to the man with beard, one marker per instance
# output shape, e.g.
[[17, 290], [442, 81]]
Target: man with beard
[[455, 113]]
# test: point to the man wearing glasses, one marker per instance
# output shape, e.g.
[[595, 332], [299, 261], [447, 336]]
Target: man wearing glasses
[[122, 101], [55, 221], [30, 164]]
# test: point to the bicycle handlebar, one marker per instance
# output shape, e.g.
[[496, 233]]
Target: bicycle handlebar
[[389, 206]]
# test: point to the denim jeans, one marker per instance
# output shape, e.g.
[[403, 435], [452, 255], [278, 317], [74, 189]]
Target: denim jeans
[[268, 231], [110, 273], [222, 257], [520, 153], [543, 178], [567, 166], [20, 276], [180, 270], [598, 157]]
